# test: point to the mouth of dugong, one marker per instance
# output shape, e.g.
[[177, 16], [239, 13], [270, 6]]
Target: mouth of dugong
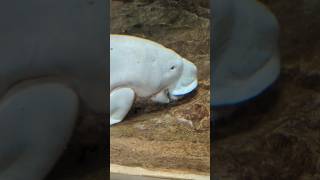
[[187, 82]]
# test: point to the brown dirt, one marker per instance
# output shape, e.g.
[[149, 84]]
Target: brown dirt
[[277, 136], [173, 136], [156, 136]]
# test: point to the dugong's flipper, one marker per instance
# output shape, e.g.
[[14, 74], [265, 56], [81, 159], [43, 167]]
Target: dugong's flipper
[[161, 97], [36, 122], [121, 101]]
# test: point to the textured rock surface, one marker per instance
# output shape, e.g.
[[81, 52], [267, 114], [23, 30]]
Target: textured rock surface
[[277, 135]]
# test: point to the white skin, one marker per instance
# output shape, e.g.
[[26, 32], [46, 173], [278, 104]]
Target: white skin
[[143, 68]]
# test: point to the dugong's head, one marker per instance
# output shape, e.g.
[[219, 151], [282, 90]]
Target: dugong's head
[[179, 76], [186, 82]]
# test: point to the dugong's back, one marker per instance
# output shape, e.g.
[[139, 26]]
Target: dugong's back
[[130, 60], [63, 39]]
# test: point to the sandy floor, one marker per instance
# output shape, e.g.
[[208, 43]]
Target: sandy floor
[[174, 136], [275, 137], [156, 137]]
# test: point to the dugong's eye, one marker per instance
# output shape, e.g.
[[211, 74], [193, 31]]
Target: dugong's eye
[[173, 67]]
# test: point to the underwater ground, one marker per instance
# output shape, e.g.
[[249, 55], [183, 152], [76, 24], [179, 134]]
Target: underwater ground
[[174, 137], [277, 136], [168, 137]]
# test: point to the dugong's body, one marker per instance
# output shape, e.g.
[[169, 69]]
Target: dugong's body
[[52, 62], [143, 68], [245, 50]]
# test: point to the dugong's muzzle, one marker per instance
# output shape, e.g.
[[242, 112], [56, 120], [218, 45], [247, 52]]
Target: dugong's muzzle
[[187, 82]]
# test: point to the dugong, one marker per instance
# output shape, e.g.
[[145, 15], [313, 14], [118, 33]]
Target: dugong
[[245, 50], [53, 59], [143, 68]]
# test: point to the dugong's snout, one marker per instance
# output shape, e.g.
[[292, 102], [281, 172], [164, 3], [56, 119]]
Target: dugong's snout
[[187, 82]]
